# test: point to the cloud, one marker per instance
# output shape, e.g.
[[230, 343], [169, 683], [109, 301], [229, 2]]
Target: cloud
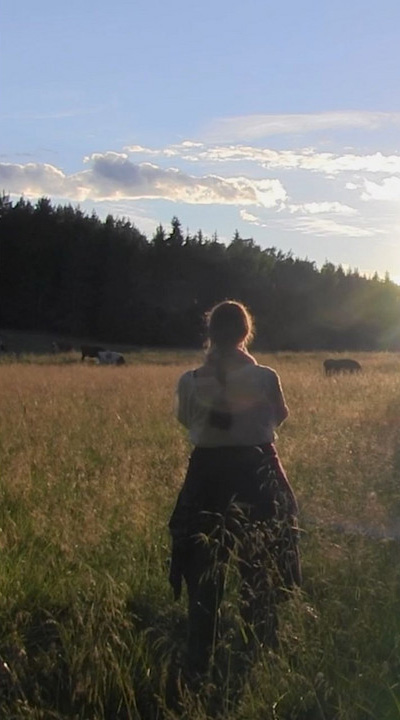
[[252, 127], [141, 149], [113, 176], [307, 223], [316, 208], [249, 217], [326, 226], [388, 190], [187, 150], [33, 179], [308, 159], [171, 150]]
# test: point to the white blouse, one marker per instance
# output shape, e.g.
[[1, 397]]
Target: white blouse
[[255, 398]]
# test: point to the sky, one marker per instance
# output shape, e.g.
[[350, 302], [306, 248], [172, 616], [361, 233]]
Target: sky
[[280, 120]]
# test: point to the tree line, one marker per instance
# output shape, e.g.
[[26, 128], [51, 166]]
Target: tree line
[[69, 273]]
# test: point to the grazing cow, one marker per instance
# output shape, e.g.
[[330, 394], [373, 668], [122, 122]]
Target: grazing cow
[[108, 357], [61, 346], [91, 351], [333, 366]]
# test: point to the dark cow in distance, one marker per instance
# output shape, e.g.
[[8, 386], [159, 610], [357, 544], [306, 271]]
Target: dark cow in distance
[[91, 351], [334, 366]]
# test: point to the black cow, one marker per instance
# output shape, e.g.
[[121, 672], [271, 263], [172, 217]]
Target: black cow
[[91, 351], [333, 366]]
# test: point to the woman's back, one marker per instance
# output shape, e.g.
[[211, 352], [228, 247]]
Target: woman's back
[[249, 395]]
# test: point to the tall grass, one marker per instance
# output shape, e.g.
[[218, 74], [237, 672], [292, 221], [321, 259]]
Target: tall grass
[[91, 459]]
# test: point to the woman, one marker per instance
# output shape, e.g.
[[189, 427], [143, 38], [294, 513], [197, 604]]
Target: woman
[[236, 500]]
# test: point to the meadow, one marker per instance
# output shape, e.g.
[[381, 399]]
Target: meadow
[[91, 459]]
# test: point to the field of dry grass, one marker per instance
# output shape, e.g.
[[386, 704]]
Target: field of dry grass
[[91, 459]]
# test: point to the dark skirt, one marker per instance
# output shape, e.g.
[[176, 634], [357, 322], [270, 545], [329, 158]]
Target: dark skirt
[[237, 495]]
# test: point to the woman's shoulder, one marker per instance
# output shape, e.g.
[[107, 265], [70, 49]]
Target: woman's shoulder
[[266, 369], [187, 379], [266, 373]]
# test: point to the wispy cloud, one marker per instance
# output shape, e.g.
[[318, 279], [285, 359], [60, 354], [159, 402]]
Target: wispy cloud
[[327, 163], [318, 208], [254, 127], [315, 218], [177, 150], [327, 226]]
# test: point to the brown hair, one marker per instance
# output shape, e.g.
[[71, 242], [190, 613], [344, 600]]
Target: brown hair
[[230, 325]]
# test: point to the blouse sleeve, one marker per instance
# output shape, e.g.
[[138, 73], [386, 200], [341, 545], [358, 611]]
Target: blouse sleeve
[[182, 401], [281, 409], [278, 408]]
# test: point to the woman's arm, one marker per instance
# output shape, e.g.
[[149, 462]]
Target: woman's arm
[[279, 409], [182, 400]]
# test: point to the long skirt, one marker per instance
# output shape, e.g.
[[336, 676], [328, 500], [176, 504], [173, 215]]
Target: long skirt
[[235, 503]]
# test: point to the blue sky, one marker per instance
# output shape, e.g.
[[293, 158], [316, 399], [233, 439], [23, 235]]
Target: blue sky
[[281, 120]]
